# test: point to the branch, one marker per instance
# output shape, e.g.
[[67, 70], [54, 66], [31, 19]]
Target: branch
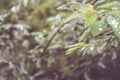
[[93, 2], [50, 40]]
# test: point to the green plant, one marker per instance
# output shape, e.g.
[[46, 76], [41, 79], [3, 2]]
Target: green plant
[[99, 19]]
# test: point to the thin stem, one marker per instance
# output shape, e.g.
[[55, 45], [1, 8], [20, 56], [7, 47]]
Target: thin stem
[[50, 40]]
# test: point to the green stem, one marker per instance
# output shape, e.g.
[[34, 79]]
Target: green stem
[[82, 37]]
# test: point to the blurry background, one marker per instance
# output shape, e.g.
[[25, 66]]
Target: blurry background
[[26, 27]]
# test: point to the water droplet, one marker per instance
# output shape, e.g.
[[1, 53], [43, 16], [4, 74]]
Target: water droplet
[[115, 23], [92, 48], [100, 29]]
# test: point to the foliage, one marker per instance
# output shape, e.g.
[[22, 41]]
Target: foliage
[[97, 22], [36, 34]]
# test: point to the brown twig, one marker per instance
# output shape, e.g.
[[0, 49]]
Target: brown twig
[[50, 40], [93, 2]]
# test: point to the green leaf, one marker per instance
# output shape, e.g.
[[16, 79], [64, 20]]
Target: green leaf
[[108, 5], [77, 45], [112, 12], [97, 28], [98, 4], [84, 34], [71, 50], [77, 6], [73, 6], [115, 24], [91, 20], [74, 47], [86, 15], [69, 18]]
